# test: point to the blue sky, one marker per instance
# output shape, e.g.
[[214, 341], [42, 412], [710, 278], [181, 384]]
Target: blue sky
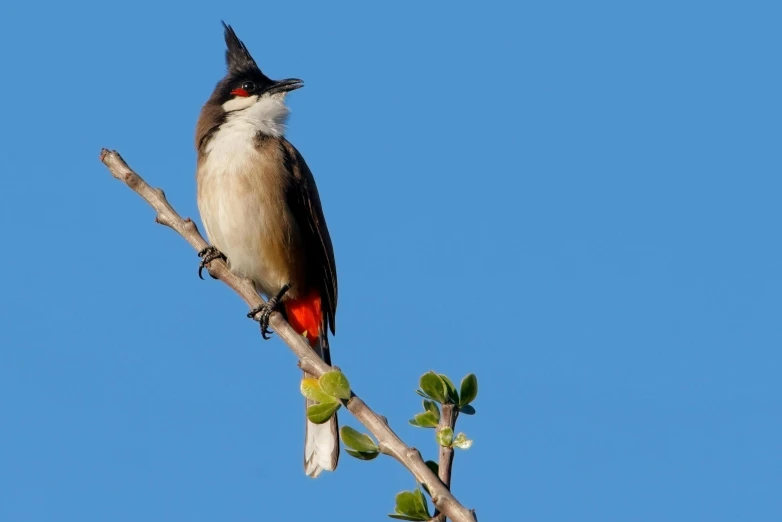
[[579, 202]]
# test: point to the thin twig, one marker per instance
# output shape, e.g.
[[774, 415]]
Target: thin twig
[[388, 441], [447, 420]]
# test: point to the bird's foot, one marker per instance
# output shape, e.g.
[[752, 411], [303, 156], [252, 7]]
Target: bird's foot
[[208, 255], [266, 310]]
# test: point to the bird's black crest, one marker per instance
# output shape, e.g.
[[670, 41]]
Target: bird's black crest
[[237, 57]]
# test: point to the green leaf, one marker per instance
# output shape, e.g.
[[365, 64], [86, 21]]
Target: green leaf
[[422, 502], [335, 384], [422, 394], [411, 505], [424, 420], [320, 413], [407, 503], [434, 387], [450, 389], [462, 442], [432, 407], [310, 388], [435, 467], [444, 437], [362, 455], [467, 410], [357, 440], [469, 389]]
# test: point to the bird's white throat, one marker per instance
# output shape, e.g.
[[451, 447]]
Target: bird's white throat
[[266, 114], [232, 147]]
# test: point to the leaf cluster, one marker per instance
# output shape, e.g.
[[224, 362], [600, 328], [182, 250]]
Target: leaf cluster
[[327, 392], [437, 390]]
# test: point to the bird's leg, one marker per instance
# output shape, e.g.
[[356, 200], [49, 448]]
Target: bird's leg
[[266, 311], [208, 255]]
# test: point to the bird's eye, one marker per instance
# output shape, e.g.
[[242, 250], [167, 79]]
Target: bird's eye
[[248, 86]]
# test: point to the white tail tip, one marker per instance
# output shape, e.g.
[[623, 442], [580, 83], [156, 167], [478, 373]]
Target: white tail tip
[[321, 447]]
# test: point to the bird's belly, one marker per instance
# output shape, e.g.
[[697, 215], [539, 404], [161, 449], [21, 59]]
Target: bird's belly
[[244, 224]]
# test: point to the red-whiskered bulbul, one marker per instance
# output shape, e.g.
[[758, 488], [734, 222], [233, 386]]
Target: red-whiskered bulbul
[[261, 210]]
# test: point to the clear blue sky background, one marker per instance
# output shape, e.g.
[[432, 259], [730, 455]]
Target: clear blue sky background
[[577, 201]]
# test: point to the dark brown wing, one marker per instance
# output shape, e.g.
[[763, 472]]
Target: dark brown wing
[[304, 202]]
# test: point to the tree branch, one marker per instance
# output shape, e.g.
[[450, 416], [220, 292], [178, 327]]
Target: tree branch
[[447, 420], [388, 441]]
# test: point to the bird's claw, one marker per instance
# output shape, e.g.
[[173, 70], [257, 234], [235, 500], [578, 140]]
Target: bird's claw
[[208, 255], [266, 310]]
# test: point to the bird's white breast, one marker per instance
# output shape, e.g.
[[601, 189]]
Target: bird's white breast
[[232, 200]]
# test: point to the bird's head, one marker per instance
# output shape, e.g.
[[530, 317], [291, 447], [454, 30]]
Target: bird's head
[[244, 84]]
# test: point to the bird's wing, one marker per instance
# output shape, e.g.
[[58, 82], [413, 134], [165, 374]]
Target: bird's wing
[[304, 202]]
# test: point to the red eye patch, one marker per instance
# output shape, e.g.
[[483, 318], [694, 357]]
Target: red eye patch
[[240, 92]]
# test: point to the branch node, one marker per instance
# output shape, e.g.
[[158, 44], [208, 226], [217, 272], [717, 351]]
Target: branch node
[[191, 227], [412, 453]]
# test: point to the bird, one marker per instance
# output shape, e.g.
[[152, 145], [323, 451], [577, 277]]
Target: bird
[[262, 212]]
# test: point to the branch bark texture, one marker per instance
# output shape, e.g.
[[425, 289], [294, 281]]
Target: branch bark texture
[[389, 443]]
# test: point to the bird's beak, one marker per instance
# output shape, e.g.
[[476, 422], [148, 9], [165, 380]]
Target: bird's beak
[[291, 84]]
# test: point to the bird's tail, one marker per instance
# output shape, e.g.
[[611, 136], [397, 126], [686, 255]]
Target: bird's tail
[[321, 441]]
